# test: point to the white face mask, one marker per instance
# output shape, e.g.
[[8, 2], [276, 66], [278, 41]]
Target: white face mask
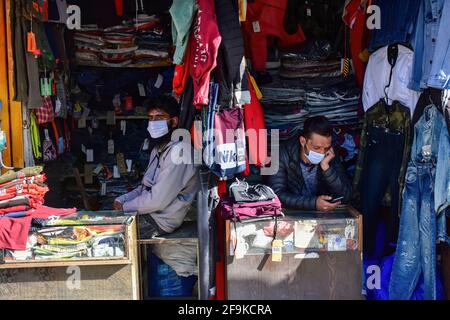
[[314, 157], [157, 128]]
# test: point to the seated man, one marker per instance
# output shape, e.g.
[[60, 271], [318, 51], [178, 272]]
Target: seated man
[[310, 175], [169, 185]]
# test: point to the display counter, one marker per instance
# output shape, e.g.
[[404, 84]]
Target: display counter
[[87, 255]]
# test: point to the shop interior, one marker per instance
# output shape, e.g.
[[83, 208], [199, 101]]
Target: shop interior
[[271, 63]]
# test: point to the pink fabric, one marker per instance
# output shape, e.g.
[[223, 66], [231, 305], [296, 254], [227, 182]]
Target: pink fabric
[[14, 209], [204, 45], [43, 212], [14, 232]]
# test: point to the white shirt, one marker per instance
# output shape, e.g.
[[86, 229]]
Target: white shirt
[[377, 78]]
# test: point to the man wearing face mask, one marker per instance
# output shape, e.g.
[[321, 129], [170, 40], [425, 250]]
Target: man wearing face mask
[[169, 185], [310, 176]]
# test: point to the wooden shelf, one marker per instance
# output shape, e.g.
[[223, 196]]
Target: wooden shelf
[[187, 233], [65, 262], [138, 66]]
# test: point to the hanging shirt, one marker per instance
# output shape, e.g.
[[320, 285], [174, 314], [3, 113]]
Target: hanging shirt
[[377, 78]]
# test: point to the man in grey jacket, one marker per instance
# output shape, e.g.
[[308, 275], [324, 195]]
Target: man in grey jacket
[[170, 184], [310, 176]]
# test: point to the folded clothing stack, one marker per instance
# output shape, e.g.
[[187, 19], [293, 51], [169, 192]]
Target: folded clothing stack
[[288, 102], [144, 40], [71, 242]]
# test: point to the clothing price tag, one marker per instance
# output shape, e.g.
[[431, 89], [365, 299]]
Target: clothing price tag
[[121, 163], [88, 178], [141, 90], [146, 144], [110, 118], [110, 146], [159, 81], [47, 136], [277, 250], [89, 155], [129, 164], [81, 123], [83, 149], [123, 126], [256, 27], [98, 169], [308, 12], [103, 189], [116, 173]]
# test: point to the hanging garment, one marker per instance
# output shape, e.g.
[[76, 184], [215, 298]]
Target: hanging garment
[[255, 127], [382, 80], [384, 151], [35, 137], [421, 224], [182, 13], [205, 41], [355, 19], [264, 19], [431, 66], [45, 112], [57, 11], [230, 71], [397, 22]]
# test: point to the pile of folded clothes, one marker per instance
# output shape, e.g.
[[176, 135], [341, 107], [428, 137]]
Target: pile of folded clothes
[[22, 199], [144, 40], [314, 59]]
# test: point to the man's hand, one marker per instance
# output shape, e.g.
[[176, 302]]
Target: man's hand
[[117, 206], [325, 164], [323, 204]]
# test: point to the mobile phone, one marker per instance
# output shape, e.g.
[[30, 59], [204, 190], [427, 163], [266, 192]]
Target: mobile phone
[[336, 199]]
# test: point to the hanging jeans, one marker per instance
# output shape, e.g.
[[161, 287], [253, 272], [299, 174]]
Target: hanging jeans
[[416, 249], [384, 156]]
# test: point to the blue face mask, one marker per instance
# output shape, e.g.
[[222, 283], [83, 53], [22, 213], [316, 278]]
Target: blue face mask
[[314, 157]]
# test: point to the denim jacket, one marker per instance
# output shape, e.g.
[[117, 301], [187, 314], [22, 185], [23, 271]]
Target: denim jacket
[[431, 67], [432, 144], [397, 22]]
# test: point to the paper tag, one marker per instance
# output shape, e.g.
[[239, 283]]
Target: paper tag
[[123, 126], [277, 250], [83, 149], [308, 12], [141, 90], [88, 178], [116, 173], [146, 144], [98, 169], [47, 136], [110, 146], [81, 123], [89, 155], [57, 106], [159, 81], [86, 112], [110, 118], [129, 164], [121, 163], [256, 27], [103, 189]]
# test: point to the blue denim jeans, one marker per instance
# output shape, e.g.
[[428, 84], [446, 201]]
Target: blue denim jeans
[[397, 22], [425, 40], [440, 71], [416, 247]]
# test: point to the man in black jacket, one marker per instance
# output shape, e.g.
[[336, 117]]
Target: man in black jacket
[[310, 176]]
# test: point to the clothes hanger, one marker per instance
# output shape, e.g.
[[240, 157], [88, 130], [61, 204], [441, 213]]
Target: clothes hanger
[[392, 56]]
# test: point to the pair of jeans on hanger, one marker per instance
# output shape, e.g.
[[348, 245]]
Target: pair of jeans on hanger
[[381, 164], [420, 225]]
